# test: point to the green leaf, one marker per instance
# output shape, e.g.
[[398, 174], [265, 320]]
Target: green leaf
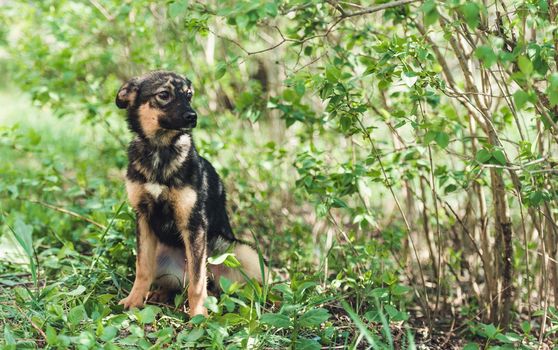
[[304, 286], [450, 188], [486, 55], [76, 315], [399, 289], [442, 139], [313, 317], [271, 8], [338, 203], [508, 338], [526, 327], [221, 70], [211, 304], [525, 65], [198, 319], [299, 88], [471, 13], [86, 339], [540, 64], [51, 336], [276, 320], [332, 73], [232, 261], [34, 137], [396, 315], [24, 235], [147, 314], [552, 90], [489, 330], [177, 8], [225, 284], [307, 344], [229, 259], [483, 156], [430, 11], [500, 157], [195, 334], [429, 136], [471, 346], [78, 291], [290, 95], [109, 333], [243, 21], [535, 198], [520, 98], [219, 259], [409, 78], [9, 338]]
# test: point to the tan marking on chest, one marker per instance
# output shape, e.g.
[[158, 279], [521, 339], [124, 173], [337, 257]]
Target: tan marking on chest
[[155, 189], [135, 192], [138, 191], [149, 119], [183, 201]]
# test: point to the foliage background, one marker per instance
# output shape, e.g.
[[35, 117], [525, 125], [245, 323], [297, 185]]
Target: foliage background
[[395, 160]]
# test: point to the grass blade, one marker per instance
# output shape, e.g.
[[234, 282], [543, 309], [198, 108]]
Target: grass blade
[[360, 324]]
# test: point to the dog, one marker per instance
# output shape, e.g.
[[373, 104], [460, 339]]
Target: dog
[[177, 195]]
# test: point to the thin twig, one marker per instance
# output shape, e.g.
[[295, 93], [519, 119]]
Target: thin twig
[[102, 10], [68, 212], [41, 332]]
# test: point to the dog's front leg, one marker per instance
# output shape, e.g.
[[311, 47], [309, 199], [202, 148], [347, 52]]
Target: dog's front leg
[[145, 265], [196, 256], [195, 244]]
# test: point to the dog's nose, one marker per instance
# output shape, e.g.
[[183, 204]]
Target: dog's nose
[[190, 115]]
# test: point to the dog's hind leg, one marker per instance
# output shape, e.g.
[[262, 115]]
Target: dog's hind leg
[[250, 266]]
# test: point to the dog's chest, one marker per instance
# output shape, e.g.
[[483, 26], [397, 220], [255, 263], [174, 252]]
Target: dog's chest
[[161, 212], [156, 190], [167, 209], [159, 198]]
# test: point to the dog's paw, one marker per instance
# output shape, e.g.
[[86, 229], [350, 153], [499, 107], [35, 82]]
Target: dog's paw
[[133, 300]]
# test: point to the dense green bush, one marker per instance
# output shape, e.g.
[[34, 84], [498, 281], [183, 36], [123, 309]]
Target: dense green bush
[[395, 160]]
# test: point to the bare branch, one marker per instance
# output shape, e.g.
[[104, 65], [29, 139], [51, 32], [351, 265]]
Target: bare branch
[[344, 15], [102, 10]]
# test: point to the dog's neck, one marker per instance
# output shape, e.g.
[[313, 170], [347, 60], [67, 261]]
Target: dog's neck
[[164, 138], [158, 160]]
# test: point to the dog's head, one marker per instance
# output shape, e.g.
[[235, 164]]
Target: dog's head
[[158, 104]]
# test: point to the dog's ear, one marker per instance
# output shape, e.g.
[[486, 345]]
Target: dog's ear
[[189, 91], [127, 93]]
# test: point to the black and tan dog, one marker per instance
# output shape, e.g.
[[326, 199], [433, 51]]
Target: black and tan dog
[[177, 195]]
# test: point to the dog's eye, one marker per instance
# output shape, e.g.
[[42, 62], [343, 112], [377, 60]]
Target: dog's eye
[[164, 96]]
